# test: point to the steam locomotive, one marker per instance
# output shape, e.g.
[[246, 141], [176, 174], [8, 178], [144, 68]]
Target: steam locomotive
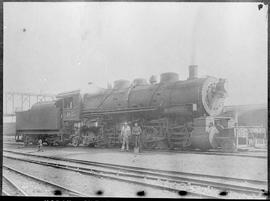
[[173, 114]]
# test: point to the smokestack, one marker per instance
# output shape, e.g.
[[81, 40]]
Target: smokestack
[[193, 72]]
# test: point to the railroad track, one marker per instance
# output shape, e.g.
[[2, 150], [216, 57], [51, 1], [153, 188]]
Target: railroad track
[[10, 188], [112, 175], [214, 153], [17, 191], [144, 176]]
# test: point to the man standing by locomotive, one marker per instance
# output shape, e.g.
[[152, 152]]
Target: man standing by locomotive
[[212, 130], [136, 131], [125, 133], [40, 145]]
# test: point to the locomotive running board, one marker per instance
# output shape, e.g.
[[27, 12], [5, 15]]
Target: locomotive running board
[[119, 111]]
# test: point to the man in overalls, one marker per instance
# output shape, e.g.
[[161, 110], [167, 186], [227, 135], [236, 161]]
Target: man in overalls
[[125, 133], [136, 131], [40, 145]]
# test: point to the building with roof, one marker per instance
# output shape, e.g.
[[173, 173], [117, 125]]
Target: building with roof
[[248, 115]]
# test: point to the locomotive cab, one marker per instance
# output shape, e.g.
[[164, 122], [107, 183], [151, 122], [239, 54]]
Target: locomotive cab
[[70, 104]]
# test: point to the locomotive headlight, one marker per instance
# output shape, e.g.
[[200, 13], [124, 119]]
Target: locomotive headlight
[[213, 95]]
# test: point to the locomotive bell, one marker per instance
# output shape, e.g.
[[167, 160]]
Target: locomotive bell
[[153, 79]]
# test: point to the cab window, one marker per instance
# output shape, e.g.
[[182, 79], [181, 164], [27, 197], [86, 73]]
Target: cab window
[[68, 103]]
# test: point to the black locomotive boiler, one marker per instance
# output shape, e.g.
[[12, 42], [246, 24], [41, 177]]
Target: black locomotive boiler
[[173, 114]]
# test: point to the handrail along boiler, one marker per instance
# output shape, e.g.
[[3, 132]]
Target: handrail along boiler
[[173, 114]]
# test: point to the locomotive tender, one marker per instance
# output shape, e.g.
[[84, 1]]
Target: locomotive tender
[[172, 113]]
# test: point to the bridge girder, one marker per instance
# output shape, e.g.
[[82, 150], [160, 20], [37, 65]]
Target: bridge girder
[[17, 101]]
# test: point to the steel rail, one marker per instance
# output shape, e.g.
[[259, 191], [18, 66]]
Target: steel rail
[[135, 169], [184, 152], [14, 186], [158, 176], [153, 176], [73, 192], [5, 193], [209, 153], [107, 175]]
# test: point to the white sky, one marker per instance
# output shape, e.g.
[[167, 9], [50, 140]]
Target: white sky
[[56, 47]]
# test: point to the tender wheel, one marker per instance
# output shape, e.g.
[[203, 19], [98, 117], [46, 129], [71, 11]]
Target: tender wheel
[[56, 143], [47, 143], [91, 145]]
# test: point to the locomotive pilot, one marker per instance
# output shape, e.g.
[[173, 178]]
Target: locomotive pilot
[[125, 133]]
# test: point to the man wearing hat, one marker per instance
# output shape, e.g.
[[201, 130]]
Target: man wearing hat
[[125, 133], [136, 131]]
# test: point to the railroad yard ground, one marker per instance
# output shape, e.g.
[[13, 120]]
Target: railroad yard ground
[[250, 165]]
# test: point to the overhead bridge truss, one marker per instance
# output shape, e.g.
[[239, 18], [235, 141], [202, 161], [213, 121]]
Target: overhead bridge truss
[[17, 101]]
